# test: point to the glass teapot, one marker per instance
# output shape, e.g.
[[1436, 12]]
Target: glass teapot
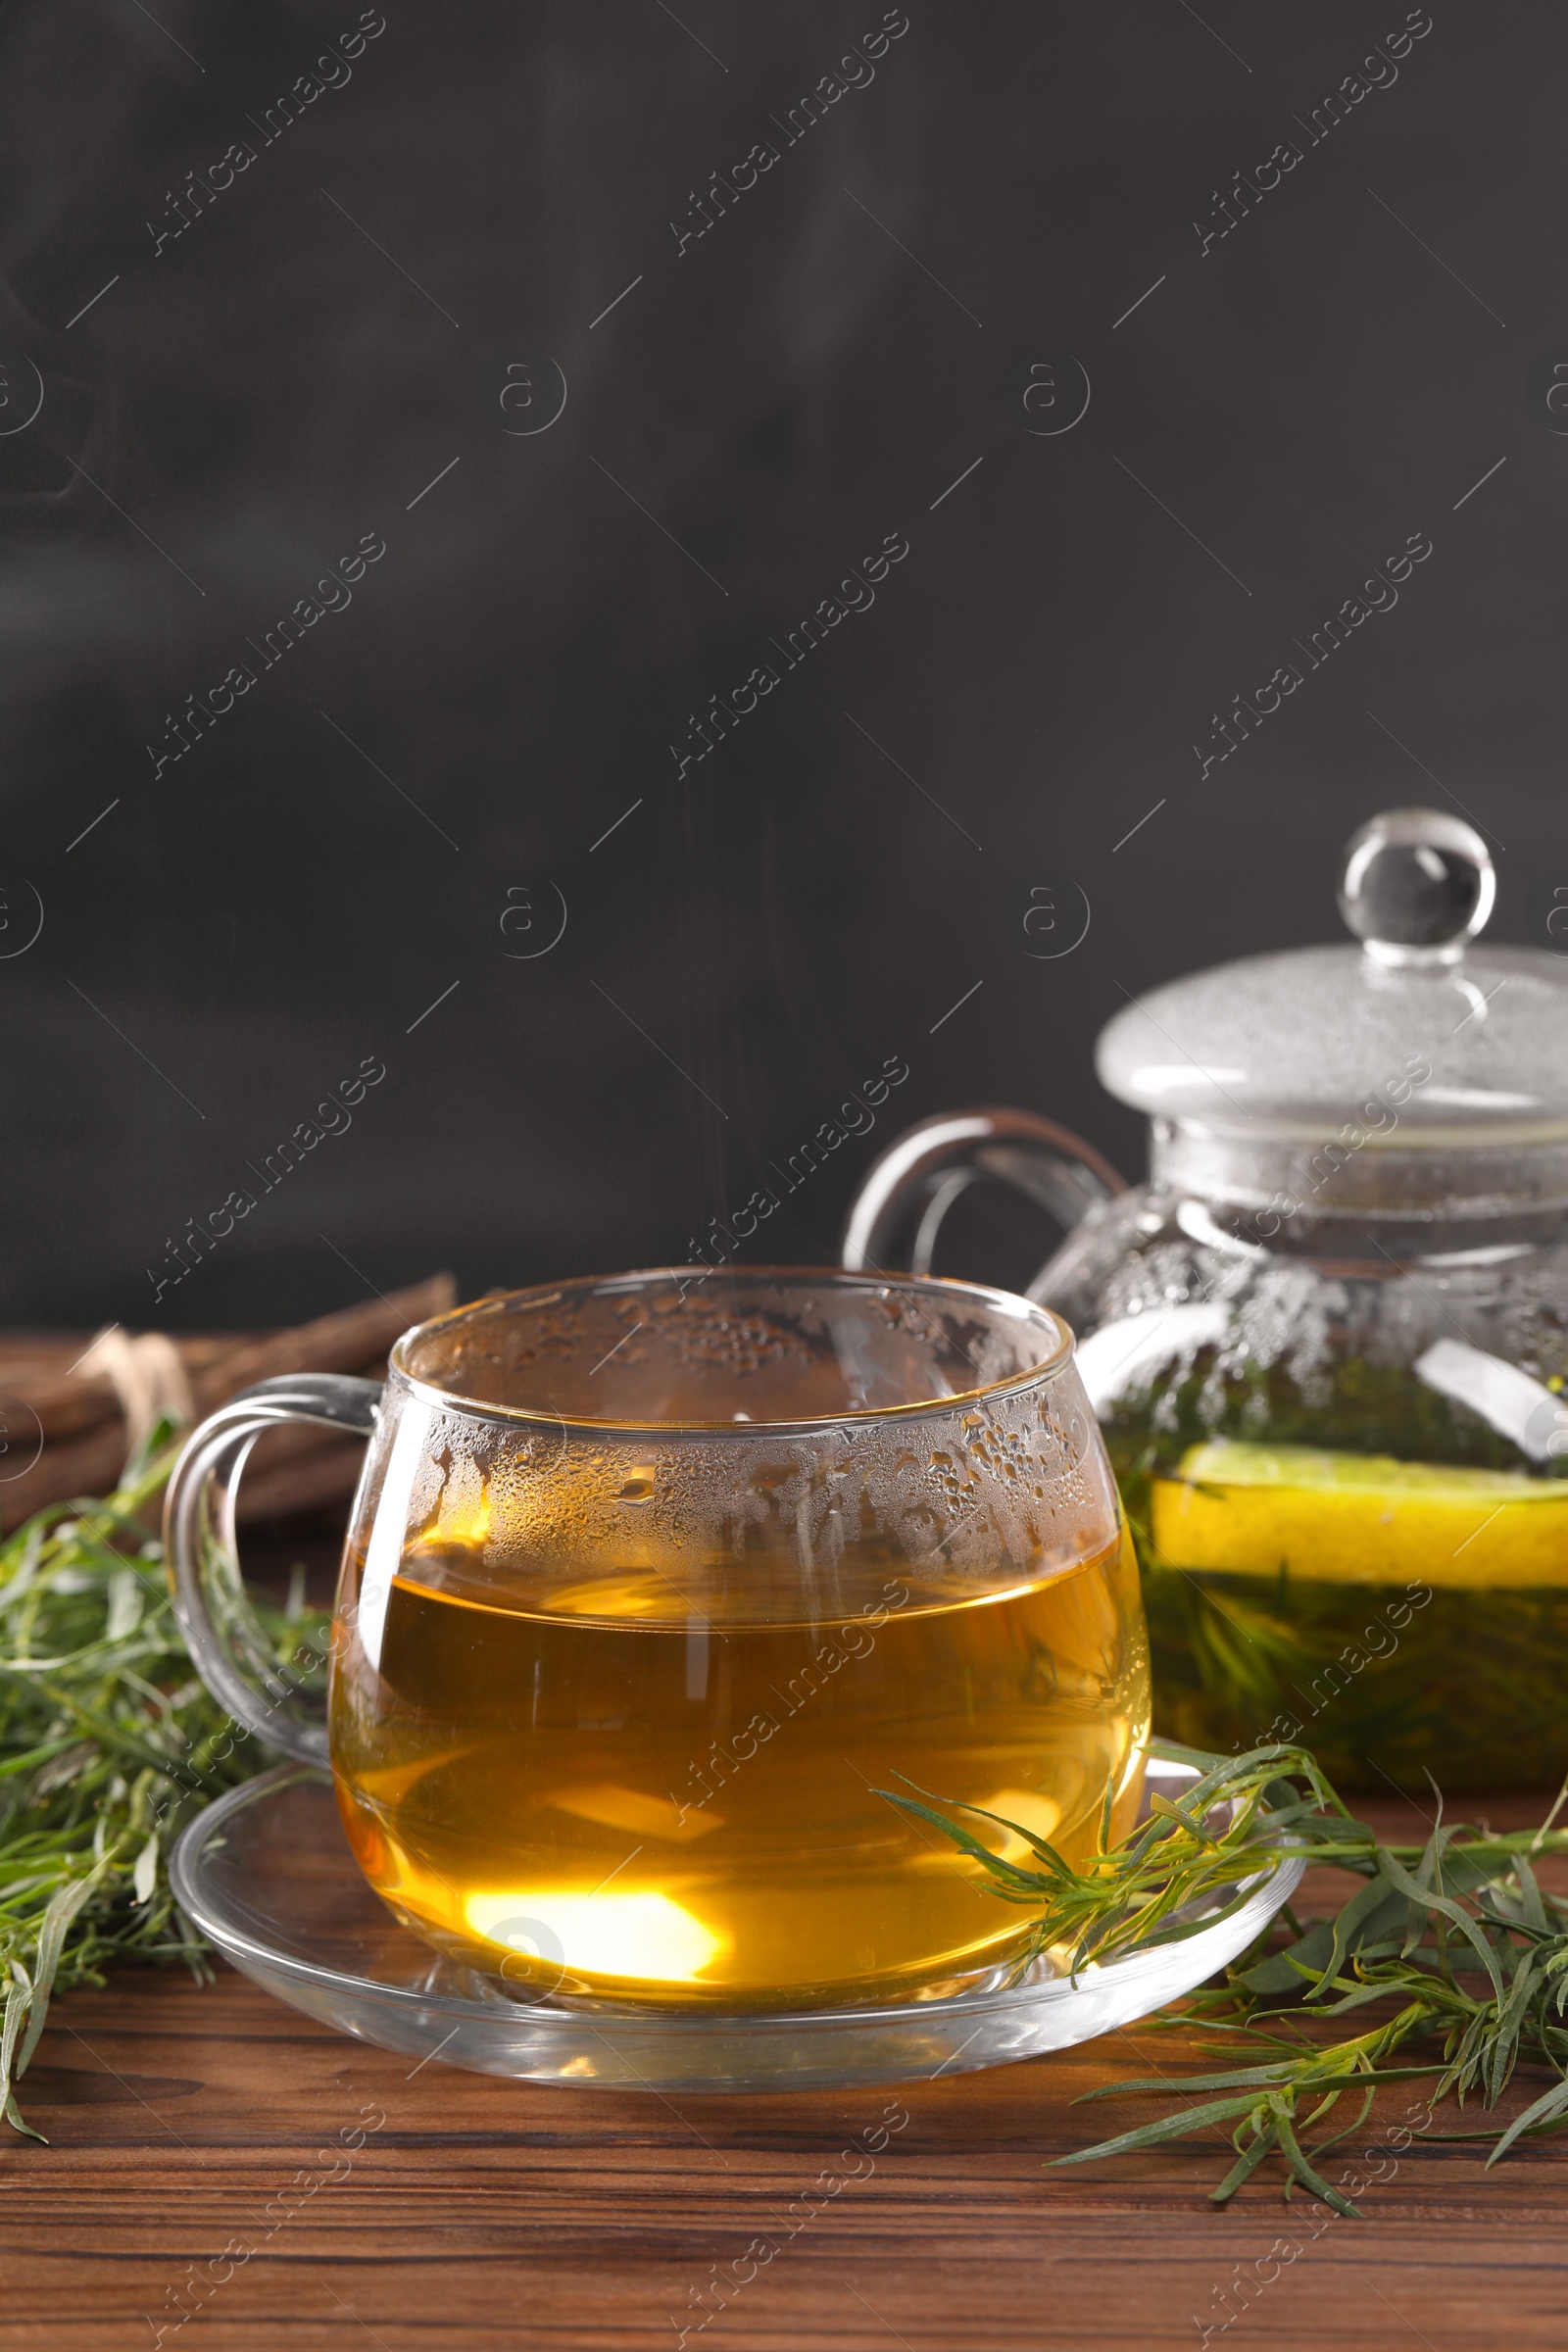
[[1328, 1339]]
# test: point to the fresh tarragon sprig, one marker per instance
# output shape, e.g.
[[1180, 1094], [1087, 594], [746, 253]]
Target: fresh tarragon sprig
[[109, 1745], [1456, 1940]]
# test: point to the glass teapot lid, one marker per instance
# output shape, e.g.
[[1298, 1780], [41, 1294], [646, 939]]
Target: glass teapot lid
[[1470, 1042]]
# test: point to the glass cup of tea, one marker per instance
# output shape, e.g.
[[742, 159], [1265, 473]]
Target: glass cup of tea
[[661, 1592]]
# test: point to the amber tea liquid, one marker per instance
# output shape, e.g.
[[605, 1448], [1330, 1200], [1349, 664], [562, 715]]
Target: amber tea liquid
[[632, 1790]]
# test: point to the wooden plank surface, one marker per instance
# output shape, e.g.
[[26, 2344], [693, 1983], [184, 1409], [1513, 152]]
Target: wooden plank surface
[[480, 2214]]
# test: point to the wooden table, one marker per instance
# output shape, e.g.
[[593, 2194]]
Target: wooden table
[[483, 2214]]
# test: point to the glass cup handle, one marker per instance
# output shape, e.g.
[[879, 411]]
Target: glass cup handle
[[899, 1209], [231, 1653]]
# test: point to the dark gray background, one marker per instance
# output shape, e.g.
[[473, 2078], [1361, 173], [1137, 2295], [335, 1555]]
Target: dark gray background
[[1278, 416]]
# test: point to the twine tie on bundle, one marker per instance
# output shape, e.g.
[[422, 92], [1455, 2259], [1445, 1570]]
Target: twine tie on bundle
[[149, 1379]]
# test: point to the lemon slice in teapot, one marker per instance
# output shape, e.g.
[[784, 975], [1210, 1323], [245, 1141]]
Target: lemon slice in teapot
[[1358, 1519]]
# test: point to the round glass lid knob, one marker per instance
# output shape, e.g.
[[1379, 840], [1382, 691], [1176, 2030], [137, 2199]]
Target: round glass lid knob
[[1415, 885]]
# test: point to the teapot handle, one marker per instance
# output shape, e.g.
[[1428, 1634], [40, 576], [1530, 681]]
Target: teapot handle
[[917, 1179]]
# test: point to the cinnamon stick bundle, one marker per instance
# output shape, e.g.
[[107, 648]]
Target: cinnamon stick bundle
[[83, 1419]]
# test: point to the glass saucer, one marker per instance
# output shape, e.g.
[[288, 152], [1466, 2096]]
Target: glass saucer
[[265, 1872]]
